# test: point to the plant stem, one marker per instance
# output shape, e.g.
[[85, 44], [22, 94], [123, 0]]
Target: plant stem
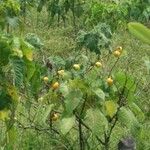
[[81, 136], [113, 67]]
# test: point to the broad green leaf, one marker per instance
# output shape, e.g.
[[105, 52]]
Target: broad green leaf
[[111, 108], [16, 47], [12, 91], [12, 137], [46, 112], [35, 81], [140, 31], [27, 50], [127, 80], [4, 114], [137, 111], [13, 22], [66, 124], [64, 89], [34, 40], [127, 118], [96, 120], [100, 94], [42, 113], [30, 69], [78, 83], [72, 100]]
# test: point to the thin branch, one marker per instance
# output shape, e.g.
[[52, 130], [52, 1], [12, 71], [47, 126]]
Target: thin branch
[[88, 128], [113, 67]]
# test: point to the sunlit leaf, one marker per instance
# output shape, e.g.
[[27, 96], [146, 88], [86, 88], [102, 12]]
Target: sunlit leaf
[[72, 100], [137, 111], [111, 108], [140, 31], [27, 50], [42, 113], [100, 94], [127, 118], [96, 120], [66, 124], [125, 80], [4, 114]]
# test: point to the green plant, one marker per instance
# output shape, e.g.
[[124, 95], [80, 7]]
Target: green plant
[[61, 8], [96, 39], [9, 11], [88, 102], [88, 99]]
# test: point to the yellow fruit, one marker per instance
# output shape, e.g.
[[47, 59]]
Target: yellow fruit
[[98, 64], [55, 117], [117, 53], [45, 79], [76, 66], [109, 81], [119, 48], [61, 72], [55, 85]]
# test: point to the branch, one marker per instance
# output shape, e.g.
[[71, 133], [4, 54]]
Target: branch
[[88, 128]]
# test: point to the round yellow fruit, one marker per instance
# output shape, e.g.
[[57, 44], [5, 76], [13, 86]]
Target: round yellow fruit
[[109, 81], [55, 85], [119, 48], [55, 117], [61, 72], [45, 79], [76, 66], [117, 53], [98, 64]]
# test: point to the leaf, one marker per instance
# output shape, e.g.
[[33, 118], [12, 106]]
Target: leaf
[[30, 69], [5, 100], [16, 47], [100, 94], [140, 31], [64, 89], [5, 52], [137, 111], [27, 50], [66, 124], [42, 113], [96, 120], [125, 80], [35, 81], [12, 137], [12, 91], [78, 83], [46, 112], [147, 63], [13, 22], [127, 118], [111, 108], [40, 5], [72, 100], [34, 40], [91, 42], [4, 114], [17, 65]]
